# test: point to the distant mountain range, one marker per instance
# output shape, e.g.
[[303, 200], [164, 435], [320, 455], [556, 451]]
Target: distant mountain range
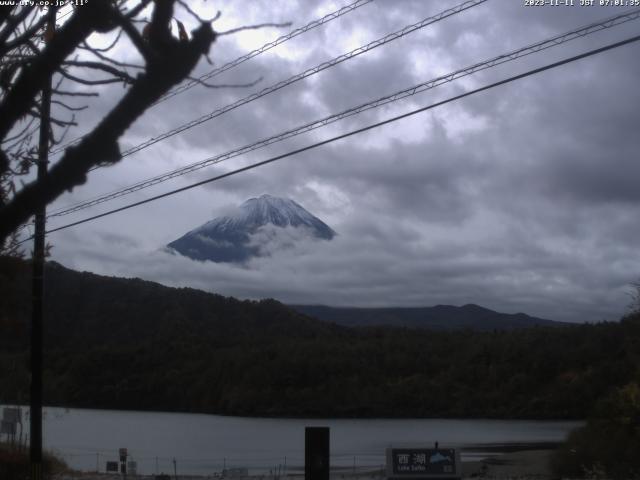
[[440, 317], [229, 238]]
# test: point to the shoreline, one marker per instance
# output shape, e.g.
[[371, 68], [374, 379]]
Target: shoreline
[[526, 461], [313, 418], [524, 464]]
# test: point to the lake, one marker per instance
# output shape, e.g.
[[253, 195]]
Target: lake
[[204, 444]]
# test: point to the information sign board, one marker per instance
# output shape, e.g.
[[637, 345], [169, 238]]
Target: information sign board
[[423, 463]]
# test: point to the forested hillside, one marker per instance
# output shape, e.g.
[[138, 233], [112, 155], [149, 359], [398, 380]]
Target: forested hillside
[[132, 344]]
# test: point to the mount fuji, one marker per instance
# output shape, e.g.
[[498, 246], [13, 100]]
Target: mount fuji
[[244, 233]]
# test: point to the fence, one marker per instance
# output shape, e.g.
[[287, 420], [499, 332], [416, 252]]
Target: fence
[[265, 468]]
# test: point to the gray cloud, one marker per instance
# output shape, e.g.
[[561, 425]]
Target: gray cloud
[[522, 198]]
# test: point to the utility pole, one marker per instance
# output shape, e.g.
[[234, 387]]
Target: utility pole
[[37, 285]]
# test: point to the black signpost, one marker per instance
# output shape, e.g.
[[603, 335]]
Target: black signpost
[[423, 463], [123, 461], [316, 453]]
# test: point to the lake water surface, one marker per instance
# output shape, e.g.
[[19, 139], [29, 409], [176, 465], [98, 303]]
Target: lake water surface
[[204, 444]]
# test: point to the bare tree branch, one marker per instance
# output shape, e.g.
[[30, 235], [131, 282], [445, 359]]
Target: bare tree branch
[[105, 49], [253, 27], [173, 63], [115, 62], [21, 132], [198, 18], [74, 94], [24, 38], [104, 81], [137, 9], [12, 22], [134, 36], [29, 60], [102, 66], [17, 101]]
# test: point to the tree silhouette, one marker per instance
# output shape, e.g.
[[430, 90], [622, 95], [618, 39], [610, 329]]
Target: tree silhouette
[[34, 49]]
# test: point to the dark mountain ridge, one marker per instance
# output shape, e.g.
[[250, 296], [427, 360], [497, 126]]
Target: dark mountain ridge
[[439, 317], [83, 308]]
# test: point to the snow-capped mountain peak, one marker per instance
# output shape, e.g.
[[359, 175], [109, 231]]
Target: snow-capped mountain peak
[[228, 238]]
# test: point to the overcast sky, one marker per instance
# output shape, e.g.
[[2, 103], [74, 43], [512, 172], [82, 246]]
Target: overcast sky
[[520, 199]]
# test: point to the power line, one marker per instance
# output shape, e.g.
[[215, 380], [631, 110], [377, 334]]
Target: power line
[[234, 63], [307, 73], [268, 46], [424, 86], [351, 133]]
